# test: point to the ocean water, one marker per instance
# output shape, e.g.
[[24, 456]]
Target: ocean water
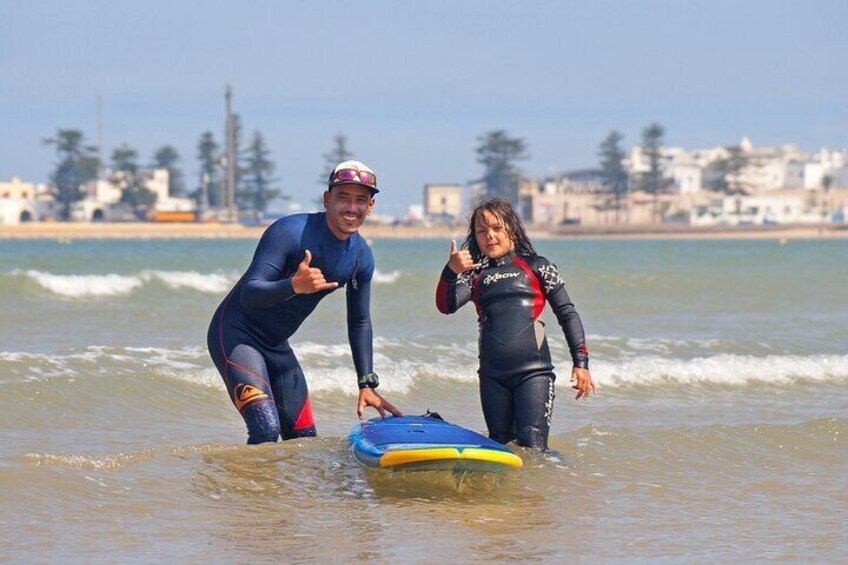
[[718, 434]]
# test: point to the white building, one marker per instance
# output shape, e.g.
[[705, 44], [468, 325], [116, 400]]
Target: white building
[[754, 210], [103, 199], [684, 168], [25, 202], [826, 163], [767, 169], [158, 183], [688, 178], [443, 201]]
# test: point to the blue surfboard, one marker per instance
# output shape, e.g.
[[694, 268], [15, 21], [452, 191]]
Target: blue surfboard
[[426, 442]]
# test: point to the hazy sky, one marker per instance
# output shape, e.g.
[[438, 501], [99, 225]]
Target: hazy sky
[[414, 84]]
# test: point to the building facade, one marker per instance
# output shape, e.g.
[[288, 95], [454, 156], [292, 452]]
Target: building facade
[[443, 202]]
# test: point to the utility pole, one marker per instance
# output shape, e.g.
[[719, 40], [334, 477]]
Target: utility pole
[[204, 197], [100, 163], [231, 158]]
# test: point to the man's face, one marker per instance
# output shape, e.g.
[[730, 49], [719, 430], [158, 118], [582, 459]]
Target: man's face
[[347, 206]]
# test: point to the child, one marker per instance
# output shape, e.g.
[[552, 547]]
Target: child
[[499, 271]]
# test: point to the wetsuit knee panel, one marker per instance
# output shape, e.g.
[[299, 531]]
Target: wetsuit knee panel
[[263, 423], [533, 436]]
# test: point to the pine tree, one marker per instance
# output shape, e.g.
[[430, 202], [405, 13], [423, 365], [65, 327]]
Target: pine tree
[[612, 169], [654, 181], [208, 154], [498, 154], [77, 164], [257, 190], [127, 175]]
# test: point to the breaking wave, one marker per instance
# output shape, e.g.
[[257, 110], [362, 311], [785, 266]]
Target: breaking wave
[[81, 286], [95, 286], [403, 366], [385, 278]]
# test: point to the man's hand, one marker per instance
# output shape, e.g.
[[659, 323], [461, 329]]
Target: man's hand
[[369, 397], [460, 261], [584, 383], [309, 279]]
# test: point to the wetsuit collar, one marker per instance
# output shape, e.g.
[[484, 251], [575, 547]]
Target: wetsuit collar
[[328, 235], [507, 258]]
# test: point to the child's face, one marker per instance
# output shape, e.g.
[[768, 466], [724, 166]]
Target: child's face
[[493, 237]]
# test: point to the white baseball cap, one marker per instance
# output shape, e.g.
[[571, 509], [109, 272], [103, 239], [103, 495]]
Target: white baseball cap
[[354, 172]]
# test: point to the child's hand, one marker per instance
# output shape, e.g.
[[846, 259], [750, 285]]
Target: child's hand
[[460, 260], [584, 383]]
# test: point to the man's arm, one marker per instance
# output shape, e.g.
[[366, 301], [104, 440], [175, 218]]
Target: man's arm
[[266, 281], [359, 330], [360, 335], [265, 284]]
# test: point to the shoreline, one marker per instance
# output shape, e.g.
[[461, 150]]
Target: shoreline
[[82, 231]]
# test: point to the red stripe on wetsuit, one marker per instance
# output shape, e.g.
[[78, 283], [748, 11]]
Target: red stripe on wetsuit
[[538, 295]]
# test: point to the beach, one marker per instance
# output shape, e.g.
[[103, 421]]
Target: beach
[[149, 230]]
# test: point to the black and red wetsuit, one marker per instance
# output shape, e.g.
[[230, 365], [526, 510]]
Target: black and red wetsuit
[[516, 372]]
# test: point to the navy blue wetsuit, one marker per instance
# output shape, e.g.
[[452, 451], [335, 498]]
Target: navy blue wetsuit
[[516, 372], [248, 335]]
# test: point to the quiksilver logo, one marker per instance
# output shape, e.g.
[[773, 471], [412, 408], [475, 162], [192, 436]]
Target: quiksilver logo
[[245, 395], [495, 277]]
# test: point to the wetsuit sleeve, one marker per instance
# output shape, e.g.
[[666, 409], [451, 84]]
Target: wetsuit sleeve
[[563, 309], [359, 330], [264, 282], [452, 292]]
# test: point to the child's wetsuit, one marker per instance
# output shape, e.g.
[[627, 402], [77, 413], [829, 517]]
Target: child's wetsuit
[[248, 335], [516, 372]]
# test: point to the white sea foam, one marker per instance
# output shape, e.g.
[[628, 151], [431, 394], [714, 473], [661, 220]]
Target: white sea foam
[[100, 360], [113, 284], [94, 463], [80, 286], [77, 286], [206, 377], [385, 278], [723, 369], [322, 350], [212, 283], [402, 367]]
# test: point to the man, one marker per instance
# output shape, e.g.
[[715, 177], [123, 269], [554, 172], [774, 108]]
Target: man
[[299, 260]]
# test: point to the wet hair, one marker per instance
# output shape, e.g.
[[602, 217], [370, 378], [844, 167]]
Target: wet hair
[[504, 211]]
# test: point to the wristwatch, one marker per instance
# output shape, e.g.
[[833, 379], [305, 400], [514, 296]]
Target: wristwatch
[[370, 380]]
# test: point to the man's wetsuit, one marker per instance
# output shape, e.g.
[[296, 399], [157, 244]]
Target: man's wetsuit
[[516, 372], [248, 335]]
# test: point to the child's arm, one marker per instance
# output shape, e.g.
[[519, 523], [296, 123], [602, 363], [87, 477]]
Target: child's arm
[[563, 309], [455, 286], [569, 320], [452, 292]]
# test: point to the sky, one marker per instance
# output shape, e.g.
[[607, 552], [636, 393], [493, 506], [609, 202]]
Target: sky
[[414, 85]]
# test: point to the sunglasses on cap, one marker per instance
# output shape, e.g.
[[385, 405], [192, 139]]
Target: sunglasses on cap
[[353, 175]]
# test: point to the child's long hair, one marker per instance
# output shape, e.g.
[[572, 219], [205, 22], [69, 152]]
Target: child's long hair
[[503, 210]]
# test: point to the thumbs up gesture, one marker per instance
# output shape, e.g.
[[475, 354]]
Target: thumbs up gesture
[[460, 260], [310, 279]]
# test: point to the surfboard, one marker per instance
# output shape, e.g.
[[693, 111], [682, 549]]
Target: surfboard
[[426, 442]]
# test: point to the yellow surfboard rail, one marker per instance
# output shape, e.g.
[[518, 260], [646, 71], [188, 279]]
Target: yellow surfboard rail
[[406, 456]]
